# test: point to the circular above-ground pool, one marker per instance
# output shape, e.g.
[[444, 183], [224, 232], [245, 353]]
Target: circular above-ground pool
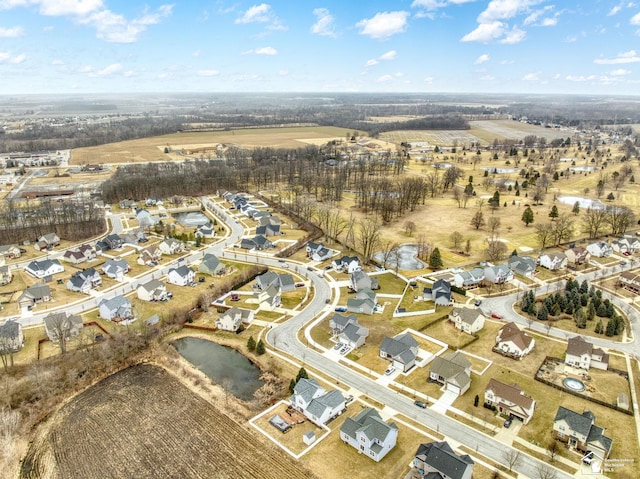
[[573, 384]]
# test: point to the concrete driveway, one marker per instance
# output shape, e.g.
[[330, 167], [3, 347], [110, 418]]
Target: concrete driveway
[[444, 402]]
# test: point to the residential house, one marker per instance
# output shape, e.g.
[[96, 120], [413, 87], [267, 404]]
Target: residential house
[[145, 219], [626, 244], [115, 269], [317, 404], [582, 354], [113, 241], [580, 432], [84, 281], [498, 274], [258, 243], [577, 256], [509, 400], [36, 293], [468, 320], [360, 280], [265, 220], [11, 337], [88, 251], [74, 256], [348, 330], [153, 201], [402, 350], [600, 249], [211, 265], [115, 309], [171, 246], [469, 279], [205, 231], [439, 293], [553, 261], [437, 460], [181, 276], [150, 256], [268, 230], [361, 305], [630, 281], [153, 290], [231, 319], [268, 299], [47, 242], [318, 252], [44, 268], [453, 370], [265, 280], [512, 342], [10, 251], [346, 264], [128, 204], [369, 434], [6, 275], [62, 324], [522, 265]]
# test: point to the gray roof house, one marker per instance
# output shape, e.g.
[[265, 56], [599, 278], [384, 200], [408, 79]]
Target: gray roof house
[[522, 265], [346, 264], [553, 261], [115, 268], [211, 265], [171, 246], [469, 279], [153, 290], [43, 268], [205, 231], [181, 276], [498, 274], [580, 432], [36, 293], [270, 298], [47, 241], [231, 319], [364, 306], [268, 230], [468, 320], [6, 275], [84, 281], [369, 434], [115, 309], [600, 249], [361, 280], [353, 335], [402, 350], [64, 323], [318, 252], [439, 293], [317, 404], [11, 337], [436, 460], [338, 322], [452, 370]]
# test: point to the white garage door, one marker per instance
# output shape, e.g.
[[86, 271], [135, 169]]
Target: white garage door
[[453, 388]]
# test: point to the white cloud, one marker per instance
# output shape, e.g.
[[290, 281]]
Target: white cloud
[[435, 4], [8, 57], [505, 9], [482, 59], [371, 62], [384, 79], [62, 8], [390, 55], [487, 78], [283, 73], [626, 57], [383, 25], [85, 69], [614, 10], [580, 78], [533, 76], [11, 32], [196, 53], [18, 59], [549, 22], [129, 74], [208, 73], [619, 72], [428, 80], [325, 23], [262, 13], [57, 62], [635, 20], [513, 36], [265, 51], [115, 28], [107, 71], [485, 32]]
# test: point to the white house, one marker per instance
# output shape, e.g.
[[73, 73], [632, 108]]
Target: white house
[[498, 274], [317, 404], [181, 276], [509, 400], [582, 354], [171, 246], [469, 279], [626, 244], [468, 320], [512, 342], [347, 264], [84, 281], [231, 319], [369, 434], [62, 323], [43, 268], [600, 249], [318, 251], [205, 231], [115, 269], [115, 309], [153, 290], [553, 261]]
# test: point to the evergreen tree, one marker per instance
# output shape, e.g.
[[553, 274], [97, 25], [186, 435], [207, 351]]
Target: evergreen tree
[[576, 208], [527, 216], [599, 328], [302, 373], [553, 214], [251, 344], [260, 349], [602, 310], [292, 385], [591, 311], [476, 400], [543, 313], [584, 287], [435, 260]]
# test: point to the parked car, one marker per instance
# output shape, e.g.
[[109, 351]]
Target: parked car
[[626, 253], [496, 316], [345, 350], [588, 457], [389, 371], [338, 346], [421, 404], [507, 422], [478, 302], [349, 398], [280, 261], [299, 285], [340, 309]]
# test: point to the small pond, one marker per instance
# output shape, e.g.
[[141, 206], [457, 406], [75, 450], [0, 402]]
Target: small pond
[[500, 170], [573, 384], [193, 218], [442, 166], [584, 203], [405, 255], [583, 168], [225, 366]]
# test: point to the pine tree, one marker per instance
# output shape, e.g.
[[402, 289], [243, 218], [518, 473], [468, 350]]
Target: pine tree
[[599, 328], [527, 216], [435, 260], [576, 208], [543, 313], [302, 373], [251, 344], [292, 385], [553, 214], [260, 349]]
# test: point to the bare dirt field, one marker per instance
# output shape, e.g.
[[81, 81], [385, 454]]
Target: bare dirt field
[[141, 422]]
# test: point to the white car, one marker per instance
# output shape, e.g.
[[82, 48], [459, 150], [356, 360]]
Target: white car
[[389, 371]]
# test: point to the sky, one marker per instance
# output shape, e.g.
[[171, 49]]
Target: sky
[[458, 46]]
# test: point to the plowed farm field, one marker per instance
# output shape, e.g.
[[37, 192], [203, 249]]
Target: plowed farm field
[[143, 423]]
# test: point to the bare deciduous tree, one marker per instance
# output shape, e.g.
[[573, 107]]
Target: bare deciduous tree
[[512, 457], [543, 471], [409, 228], [369, 236], [477, 221], [456, 238], [593, 221], [544, 233]]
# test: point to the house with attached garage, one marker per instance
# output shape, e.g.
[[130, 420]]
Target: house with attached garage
[[181, 276], [153, 290], [115, 309], [361, 305], [268, 230], [115, 269], [44, 268], [268, 299], [522, 265], [452, 370], [630, 281], [338, 322], [34, 294], [318, 252], [11, 337], [577, 256], [233, 318], [369, 434], [439, 293], [346, 264], [205, 231], [113, 241], [10, 251], [512, 342], [84, 281], [348, 330], [6, 275], [402, 350], [468, 320], [553, 261], [600, 249], [47, 242], [469, 279], [509, 400], [580, 432], [150, 256], [626, 244], [62, 324], [211, 265], [171, 246], [145, 219], [360, 280], [582, 354], [73, 256], [317, 404], [437, 460], [258, 243], [498, 274]]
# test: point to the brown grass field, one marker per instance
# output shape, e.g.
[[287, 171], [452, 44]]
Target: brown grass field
[[141, 422]]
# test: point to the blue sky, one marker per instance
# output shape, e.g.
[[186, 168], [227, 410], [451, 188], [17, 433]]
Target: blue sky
[[501, 46]]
